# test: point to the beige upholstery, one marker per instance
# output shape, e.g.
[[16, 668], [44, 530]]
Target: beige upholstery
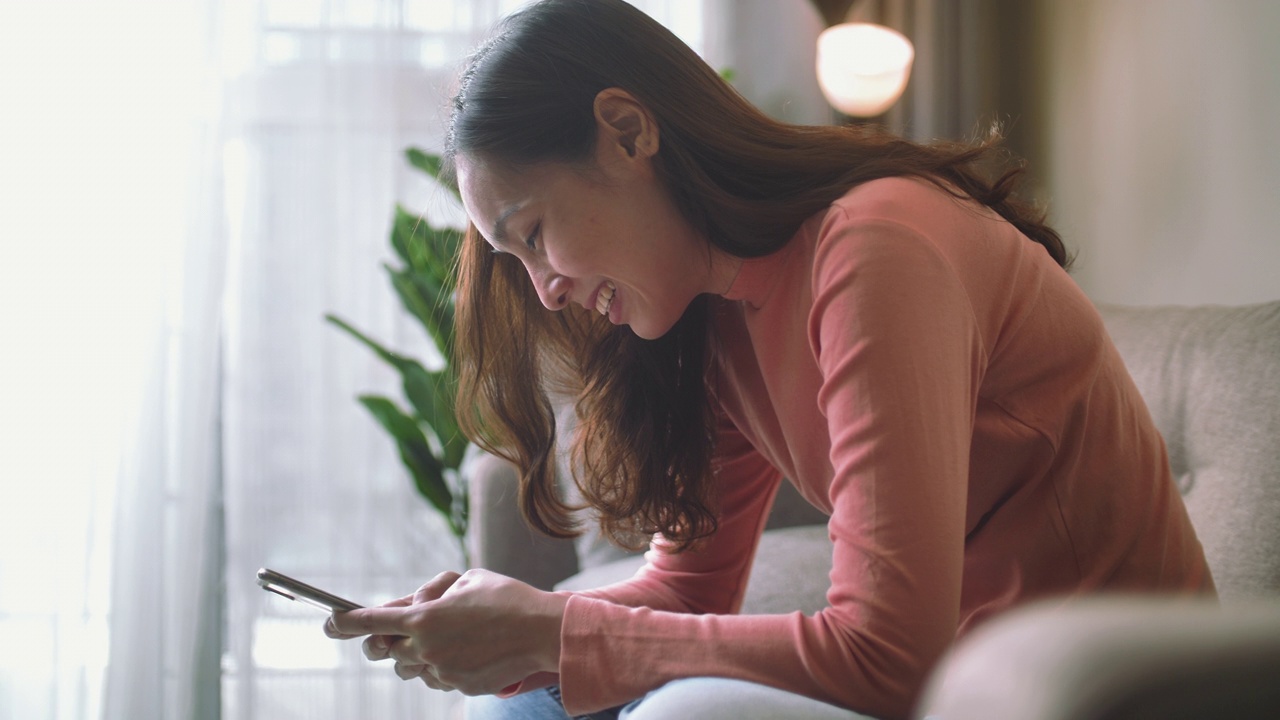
[[498, 538], [1114, 659], [1211, 377]]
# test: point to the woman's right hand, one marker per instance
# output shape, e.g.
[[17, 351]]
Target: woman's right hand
[[479, 632]]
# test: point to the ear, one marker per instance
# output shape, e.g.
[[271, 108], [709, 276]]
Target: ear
[[625, 124]]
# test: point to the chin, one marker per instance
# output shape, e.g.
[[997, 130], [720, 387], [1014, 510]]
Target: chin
[[651, 331], [657, 321]]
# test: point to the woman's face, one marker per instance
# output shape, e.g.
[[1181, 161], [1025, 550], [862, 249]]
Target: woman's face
[[607, 237]]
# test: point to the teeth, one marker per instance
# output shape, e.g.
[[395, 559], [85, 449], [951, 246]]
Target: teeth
[[605, 298]]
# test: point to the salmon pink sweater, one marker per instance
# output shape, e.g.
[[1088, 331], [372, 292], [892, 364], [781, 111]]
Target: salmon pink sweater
[[931, 379]]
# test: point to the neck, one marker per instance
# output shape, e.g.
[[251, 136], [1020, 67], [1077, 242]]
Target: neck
[[723, 270]]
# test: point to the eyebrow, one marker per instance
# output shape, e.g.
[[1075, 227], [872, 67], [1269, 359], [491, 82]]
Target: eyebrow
[[500, 227]]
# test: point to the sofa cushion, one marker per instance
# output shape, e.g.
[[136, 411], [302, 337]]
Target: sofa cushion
[[789, 572], [1211, 377], [1107, 658]]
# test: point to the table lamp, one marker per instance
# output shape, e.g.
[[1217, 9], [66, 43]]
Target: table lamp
[[863, 68]]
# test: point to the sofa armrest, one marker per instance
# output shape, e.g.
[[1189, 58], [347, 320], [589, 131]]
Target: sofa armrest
[[498, 537], [1112, 658]]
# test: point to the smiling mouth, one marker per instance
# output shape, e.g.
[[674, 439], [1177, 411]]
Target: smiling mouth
[[605, 298]]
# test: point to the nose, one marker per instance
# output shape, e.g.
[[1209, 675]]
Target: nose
[[553, 288]]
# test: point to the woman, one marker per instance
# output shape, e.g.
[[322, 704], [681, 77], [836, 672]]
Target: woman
[[741, 301]]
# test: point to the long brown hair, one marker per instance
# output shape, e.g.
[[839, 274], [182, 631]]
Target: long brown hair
[[642, 449]]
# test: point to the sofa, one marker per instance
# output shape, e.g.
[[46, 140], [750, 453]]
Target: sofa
[[1211, 377]]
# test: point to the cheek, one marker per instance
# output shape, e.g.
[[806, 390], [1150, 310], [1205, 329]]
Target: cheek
[[580, 249], [564, 257]]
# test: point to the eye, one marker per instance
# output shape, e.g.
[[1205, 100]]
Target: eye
[[532, 240]]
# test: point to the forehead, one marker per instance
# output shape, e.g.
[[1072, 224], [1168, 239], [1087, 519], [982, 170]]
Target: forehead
[[491, 192], [482, 191]]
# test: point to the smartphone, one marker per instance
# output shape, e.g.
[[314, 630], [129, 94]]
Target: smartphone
[[286, 586]]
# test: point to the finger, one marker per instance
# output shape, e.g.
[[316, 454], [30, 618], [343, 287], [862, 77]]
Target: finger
[[436, 587], [409, 672], [425, 673], [433, 682], [406, 651], [405, 601], [429, 678], [377, 647], [333, 632], [368, 621]]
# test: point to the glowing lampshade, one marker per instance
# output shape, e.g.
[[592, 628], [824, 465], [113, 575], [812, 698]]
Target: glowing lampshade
[[863, 68]]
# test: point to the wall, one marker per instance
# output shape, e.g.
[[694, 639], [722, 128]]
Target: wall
[[1150, 125], [770, 46], [1160, 145]]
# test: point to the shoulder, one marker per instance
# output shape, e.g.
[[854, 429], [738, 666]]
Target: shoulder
[[905, 217], [902, 199], [886, 246], [882, 220]]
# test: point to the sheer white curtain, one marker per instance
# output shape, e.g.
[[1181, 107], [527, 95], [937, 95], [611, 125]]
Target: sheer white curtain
[[104, 203], [186, 188], [327, 97]]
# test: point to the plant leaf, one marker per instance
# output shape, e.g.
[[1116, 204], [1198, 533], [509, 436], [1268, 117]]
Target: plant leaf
[[429, 163], [411, 238], [461, 505], [402, 236], [425, 249], [423, 297], [415, 452], [432, 165], [389, 357], [430, 394], [443, 247]]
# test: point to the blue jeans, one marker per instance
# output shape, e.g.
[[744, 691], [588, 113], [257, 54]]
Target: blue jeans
[[702, 698]]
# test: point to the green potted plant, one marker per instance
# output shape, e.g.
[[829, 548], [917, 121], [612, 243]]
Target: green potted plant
[[423, 423]]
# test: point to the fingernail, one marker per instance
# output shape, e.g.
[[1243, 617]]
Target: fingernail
[[329, 628]]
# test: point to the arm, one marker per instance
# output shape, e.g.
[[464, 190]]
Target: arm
[[900, 358], [712, 578]]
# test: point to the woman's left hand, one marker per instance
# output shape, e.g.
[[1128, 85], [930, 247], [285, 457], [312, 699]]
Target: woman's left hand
[[478, 632]]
